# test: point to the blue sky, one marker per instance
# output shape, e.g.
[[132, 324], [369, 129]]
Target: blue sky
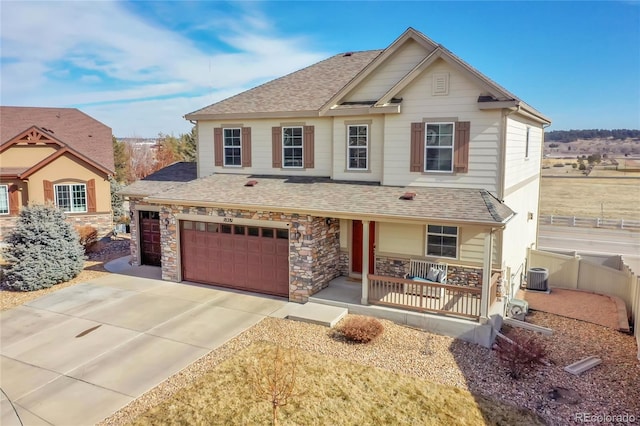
[[140, 66]]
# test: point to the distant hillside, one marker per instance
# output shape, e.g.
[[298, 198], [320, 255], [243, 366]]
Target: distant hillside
[[574, 135]]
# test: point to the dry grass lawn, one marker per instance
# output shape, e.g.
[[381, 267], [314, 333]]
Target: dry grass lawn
[[590, 197], [334, 392]]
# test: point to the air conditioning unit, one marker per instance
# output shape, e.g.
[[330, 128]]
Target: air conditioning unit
[[538, 279]]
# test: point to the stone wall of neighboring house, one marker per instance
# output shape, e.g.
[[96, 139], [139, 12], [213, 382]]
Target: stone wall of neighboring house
[[103, 223], [314, 256], [456, 274]]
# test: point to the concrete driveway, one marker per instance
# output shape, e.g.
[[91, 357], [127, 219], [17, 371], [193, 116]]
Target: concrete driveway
[[77, 355]]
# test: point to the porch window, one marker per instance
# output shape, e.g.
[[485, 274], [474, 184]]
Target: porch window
[[232, 148], [4, 199], [71, 198], [442, 241], [358, 147], [439, 147], [292, 147]]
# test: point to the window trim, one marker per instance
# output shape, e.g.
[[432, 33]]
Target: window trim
[[426, 243], [70, 186], [366, 147], [284, 158], [6, 192], [427, 147], [224, 146]]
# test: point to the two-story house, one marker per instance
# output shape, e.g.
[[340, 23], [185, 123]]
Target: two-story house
[[55, 155], [354, 167]]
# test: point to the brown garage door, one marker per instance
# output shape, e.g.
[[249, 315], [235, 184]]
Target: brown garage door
[[150, 238], [243, 257]]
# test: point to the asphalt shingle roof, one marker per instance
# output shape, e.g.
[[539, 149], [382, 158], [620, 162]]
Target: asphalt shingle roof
[[322, 196], [305, 90], [162, 180], [80, 132]]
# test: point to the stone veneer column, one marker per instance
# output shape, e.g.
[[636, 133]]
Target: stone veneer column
[[133, 232], [169, 244]]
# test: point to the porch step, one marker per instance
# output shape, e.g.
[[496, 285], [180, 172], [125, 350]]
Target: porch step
[[583, 365], [316, 313]]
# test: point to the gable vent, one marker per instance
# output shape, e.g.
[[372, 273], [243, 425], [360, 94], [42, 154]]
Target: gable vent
[[251, 183], [440, 84], [408, 196]]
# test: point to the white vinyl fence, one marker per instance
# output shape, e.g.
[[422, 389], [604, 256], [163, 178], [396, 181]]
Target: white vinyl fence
[[590, 222], [573, 272]]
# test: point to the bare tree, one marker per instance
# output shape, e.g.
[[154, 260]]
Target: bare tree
[[272, 375]]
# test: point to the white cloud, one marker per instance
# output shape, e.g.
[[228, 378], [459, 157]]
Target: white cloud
[[103, 58]]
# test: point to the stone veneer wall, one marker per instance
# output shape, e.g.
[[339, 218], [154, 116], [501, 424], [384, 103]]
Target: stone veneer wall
[[457, 275], [314, 257], [343, 263], [134, 206], [103, 222]]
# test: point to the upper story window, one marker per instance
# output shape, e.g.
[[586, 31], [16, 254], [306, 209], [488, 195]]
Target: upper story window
[[439, 147], [292, 147], [71, 197], [232, 147], [4, 199], [526, 143], [358, 147], [442, 241]]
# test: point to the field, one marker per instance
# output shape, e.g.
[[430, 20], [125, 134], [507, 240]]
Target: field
[[593, 196]]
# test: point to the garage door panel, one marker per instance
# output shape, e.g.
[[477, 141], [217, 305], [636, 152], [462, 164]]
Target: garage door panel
[[246, 258]]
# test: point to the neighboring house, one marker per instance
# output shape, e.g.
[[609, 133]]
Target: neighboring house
[[57, 155], [353, 167]]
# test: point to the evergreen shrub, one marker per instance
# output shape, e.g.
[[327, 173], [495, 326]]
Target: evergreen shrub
[[42, 250]]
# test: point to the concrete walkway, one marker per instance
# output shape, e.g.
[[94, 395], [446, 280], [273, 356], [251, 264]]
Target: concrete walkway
[[75, 356]]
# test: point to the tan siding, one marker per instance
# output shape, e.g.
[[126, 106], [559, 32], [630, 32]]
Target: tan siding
[[261, 147], [66, 169], [401, 239], [344, 233], [387, 75], [461, 103], [25, 156]]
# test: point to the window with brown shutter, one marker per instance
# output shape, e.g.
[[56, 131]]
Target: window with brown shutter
[[217, 147], [48, 191], [91, 196], [417, 147], [276, 151], [14, 200], [309, 142], [461, 147], [246, 147]]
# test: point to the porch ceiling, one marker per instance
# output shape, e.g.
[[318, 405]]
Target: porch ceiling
[[326, 197]]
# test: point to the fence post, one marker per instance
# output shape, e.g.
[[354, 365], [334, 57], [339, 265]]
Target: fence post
[[574, 221], [597, 222], [621, 223], [551, 220]]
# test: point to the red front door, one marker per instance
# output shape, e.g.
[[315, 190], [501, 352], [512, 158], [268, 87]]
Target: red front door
[[356, 246]]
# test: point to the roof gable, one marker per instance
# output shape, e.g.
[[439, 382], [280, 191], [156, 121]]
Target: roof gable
[[69, 126]]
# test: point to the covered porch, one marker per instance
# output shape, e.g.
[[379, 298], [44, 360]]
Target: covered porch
[[457, 314]]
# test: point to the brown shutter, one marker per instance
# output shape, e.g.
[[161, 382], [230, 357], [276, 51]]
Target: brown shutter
[[246, 147], [309, 142], [91, 196], [461, 148], [276, 153], [217, 146], [417, 147], [48, 191], [14, 200]]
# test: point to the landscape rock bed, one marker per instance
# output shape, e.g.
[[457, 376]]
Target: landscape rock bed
[[609, 389]]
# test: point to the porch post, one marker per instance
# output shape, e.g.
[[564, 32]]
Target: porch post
[[365, 263], [486, 274]]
